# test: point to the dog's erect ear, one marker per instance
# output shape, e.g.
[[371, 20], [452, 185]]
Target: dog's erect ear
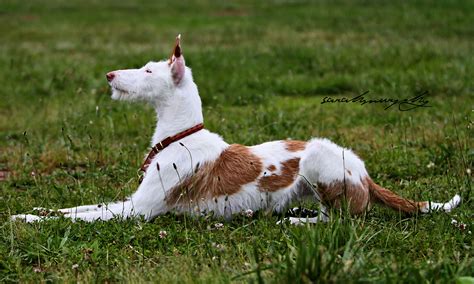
[[177, 62], [176, 50]]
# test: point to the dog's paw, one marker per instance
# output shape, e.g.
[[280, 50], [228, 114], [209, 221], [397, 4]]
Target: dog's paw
[[301, 212], [29, 218], [298, 221], [41, 209]]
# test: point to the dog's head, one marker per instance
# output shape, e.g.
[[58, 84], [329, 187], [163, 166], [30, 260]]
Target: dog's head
[[153, 82]]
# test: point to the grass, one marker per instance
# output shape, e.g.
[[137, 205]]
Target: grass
[[263, 70]]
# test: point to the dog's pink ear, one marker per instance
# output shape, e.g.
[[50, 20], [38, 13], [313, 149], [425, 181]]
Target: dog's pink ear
[[177, 70], [177, 62]]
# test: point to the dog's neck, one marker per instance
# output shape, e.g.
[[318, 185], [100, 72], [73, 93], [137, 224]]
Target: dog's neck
[[181, 111]]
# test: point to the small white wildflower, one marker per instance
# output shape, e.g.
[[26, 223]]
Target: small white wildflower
[[75, 266], [33, 174], [468, 171], [454, 222], [404, 182], [218, 246], [163, 234], [462, 226], [248, 213], [469, 232], [91, 122], [430, 165], [218, 225], [214, 257]]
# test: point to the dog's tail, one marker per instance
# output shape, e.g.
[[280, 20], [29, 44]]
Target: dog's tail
[[399, 203]]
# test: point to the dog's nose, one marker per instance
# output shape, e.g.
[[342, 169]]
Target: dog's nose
[[110, 76]]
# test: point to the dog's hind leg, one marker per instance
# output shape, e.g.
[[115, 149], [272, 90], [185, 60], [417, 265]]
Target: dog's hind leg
[[305, 191], [337, 174], [300, 220]]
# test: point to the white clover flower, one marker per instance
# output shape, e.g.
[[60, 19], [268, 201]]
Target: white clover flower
[[219, 247], [248, 213], [430, 165], [218, 225], [468, 171], [163, 234]]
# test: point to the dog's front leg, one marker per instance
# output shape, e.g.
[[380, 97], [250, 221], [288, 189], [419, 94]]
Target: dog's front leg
[[86, 213], [121, 210], [83, 208]]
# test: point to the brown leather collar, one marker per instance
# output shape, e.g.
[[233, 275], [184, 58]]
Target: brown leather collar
[[166, 142]]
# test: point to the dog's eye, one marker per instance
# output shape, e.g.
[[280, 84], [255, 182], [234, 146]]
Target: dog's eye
[[148, 71]]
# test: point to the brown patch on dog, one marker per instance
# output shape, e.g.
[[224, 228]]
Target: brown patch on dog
[[235, 167], [295, 145], [356, 195], [274, 182], [271, 168]]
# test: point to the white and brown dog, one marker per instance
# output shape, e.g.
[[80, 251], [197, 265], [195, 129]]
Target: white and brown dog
[[192, 170]]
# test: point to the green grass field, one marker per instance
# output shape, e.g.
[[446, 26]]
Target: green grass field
[[263, 71]]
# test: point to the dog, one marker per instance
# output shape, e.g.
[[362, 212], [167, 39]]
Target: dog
[[192, 170]]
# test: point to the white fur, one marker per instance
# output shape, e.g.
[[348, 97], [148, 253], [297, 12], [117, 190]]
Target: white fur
[[333, 163], [447, 207], [178, 107]]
